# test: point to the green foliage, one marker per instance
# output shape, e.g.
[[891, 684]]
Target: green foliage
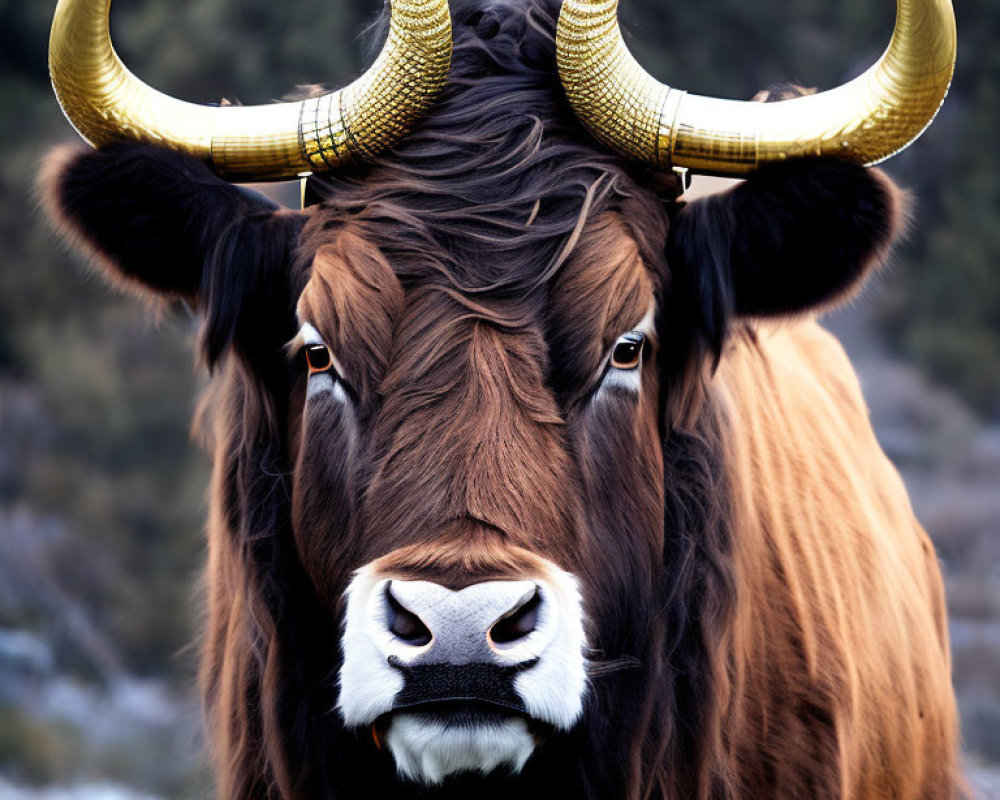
[[34, 751]]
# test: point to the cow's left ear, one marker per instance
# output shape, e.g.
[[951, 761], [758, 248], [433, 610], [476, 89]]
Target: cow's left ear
[[795, 236]]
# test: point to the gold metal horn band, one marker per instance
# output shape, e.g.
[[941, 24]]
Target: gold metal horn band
[[105, 102], [865, 121]]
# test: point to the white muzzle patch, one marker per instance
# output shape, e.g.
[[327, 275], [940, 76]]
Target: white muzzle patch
[[427, 750], [541, 669]]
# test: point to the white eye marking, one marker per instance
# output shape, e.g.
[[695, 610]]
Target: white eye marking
[[322, 383], [629, 380], [309, 335]]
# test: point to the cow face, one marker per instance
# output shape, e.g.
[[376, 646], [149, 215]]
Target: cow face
[[449, 511], [444, 490]]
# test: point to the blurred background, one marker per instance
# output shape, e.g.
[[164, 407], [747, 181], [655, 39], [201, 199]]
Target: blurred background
[[102, 493]]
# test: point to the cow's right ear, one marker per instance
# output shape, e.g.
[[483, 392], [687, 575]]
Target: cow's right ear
[[149, 217]]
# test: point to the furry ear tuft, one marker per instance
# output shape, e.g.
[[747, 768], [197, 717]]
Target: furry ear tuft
[[796, 236], [810, 233], [162, 224], [149, 217]]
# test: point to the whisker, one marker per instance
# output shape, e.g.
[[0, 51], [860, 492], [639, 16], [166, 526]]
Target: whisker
[[601, 669]]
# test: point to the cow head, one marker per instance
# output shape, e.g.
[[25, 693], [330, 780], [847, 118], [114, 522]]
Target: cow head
[[467, 517]]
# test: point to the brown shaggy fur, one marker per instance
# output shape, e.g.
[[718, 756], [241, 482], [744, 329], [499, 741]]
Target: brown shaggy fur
[[764, 613]]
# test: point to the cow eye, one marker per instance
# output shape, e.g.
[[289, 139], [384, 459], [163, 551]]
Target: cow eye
[[627, 352], [318, 358]]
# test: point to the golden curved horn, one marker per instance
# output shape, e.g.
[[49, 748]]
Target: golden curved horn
[[105, 102], [865, 121]]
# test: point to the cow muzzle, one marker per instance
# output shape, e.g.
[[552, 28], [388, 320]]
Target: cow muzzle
[[466, 680]]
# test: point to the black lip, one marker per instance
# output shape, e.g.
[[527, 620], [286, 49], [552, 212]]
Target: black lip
[[488, 684], [446, 705], [467, 712]]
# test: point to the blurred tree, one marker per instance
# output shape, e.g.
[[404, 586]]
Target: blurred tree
[[114, 389], [943, 307]]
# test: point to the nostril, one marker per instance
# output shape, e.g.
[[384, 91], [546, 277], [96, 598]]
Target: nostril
[[518, 623], [404, 624]]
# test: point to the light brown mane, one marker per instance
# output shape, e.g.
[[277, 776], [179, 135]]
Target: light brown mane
[[835, 584]]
